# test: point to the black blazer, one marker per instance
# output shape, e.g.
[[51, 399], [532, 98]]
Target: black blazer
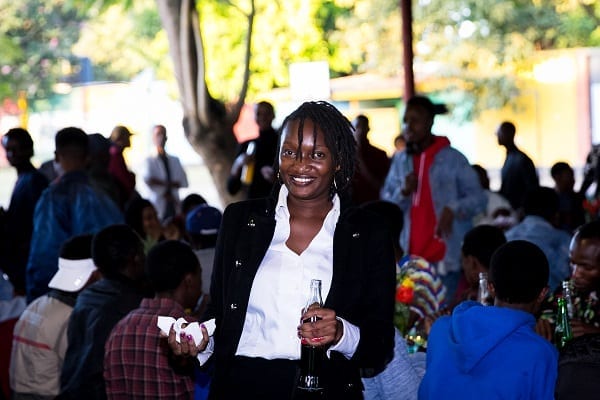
[[362, 288]]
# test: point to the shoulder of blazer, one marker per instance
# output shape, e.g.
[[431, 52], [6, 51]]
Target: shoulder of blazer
[[262, 207]]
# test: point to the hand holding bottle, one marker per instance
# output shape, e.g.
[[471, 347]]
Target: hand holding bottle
[[326, 330], [580, 328]]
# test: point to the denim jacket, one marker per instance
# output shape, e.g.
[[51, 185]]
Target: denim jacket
[[453, 183]]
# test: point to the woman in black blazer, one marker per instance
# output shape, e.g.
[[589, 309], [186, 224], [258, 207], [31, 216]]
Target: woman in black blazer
[[268, 250]]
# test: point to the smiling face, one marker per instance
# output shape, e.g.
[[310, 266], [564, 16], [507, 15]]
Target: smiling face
[[306, 168], [584, 255]]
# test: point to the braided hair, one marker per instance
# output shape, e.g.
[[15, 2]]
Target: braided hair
[[339, 139]]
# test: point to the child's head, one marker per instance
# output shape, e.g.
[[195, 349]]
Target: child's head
[[584, 254], [141, 215], [202, 225], [519, 273], [173, 269], [563, 176], [117, 250], [477, 248], [71, 148], [76, 268]]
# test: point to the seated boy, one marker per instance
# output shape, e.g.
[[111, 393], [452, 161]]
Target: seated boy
[[493, 352]]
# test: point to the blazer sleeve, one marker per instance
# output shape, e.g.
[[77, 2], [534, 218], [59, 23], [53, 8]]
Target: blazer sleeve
[[363, 287]]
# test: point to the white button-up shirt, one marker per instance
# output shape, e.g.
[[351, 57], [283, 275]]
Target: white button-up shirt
[[281, 288]]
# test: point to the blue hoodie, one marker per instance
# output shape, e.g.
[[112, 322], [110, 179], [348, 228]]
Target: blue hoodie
[[488, 353]]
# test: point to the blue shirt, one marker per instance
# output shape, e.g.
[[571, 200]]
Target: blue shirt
[[67, 208], [552, 241], [488, 353]]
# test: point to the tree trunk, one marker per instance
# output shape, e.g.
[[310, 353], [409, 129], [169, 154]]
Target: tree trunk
[[207, 123]]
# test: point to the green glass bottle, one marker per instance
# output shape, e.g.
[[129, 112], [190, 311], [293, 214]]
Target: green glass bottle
[[562, 331]]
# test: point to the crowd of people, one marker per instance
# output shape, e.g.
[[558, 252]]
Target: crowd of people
[[91, 266]]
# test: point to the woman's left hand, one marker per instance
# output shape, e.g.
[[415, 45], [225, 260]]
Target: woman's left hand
[[326, 331]]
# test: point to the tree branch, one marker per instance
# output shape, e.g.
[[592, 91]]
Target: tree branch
[[246, 79]]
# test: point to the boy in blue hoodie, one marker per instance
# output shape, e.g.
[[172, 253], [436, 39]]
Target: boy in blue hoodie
[[494, 352]]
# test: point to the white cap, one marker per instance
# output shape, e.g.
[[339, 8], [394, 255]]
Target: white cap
[[72, 275]]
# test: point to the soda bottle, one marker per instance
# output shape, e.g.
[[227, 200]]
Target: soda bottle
[[566, 285], [310, 385], [562, 330], [483, 293]]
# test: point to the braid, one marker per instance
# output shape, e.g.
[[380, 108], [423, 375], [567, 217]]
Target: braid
[[338, 134]]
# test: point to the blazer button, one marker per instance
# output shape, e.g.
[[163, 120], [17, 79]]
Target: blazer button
[[238, 263], [251, 223], [233, 306]]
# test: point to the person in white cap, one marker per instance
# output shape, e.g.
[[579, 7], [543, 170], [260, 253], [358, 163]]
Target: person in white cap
[[40, 335]]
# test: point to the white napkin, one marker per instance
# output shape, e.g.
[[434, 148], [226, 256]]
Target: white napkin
[[164, 323]]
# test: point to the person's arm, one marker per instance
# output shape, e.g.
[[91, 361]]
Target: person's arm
[[394, 187], [180, 177], [471, 198]]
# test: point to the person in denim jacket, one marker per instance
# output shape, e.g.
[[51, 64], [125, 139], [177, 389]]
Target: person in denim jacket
[[437, 190]]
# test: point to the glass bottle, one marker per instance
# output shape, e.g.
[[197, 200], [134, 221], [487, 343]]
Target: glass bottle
[[566, 285], [483, 294], [249, 164], [311, 357], [562, 330]]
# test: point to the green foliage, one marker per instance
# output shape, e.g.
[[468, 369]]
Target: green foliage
[[481, 49], [35, 49], [477, 49], [122, 42]]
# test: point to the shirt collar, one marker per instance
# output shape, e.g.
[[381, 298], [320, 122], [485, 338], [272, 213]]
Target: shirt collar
[[281, 209]]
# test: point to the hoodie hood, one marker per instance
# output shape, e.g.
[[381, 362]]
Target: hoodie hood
[[475, 330]]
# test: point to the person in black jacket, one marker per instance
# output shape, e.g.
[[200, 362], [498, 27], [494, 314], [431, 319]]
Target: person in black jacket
[[263, 151], [267, 252]]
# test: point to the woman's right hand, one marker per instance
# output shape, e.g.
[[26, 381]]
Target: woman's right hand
[[186, 347]]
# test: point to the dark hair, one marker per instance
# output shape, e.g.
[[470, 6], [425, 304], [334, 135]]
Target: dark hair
[[133, 214], [268, 105], [190, 202], [589, 230], [167, 264], [21, 136], [72, 141], [541, 201], [391, 216], [508, 128], [338, 134], [558, 168], [427, 105], [114, 247], [482, 241], [519, 272], [77, 247], [482, 175]]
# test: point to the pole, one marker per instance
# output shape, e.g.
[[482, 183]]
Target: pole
[[407, 42]]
